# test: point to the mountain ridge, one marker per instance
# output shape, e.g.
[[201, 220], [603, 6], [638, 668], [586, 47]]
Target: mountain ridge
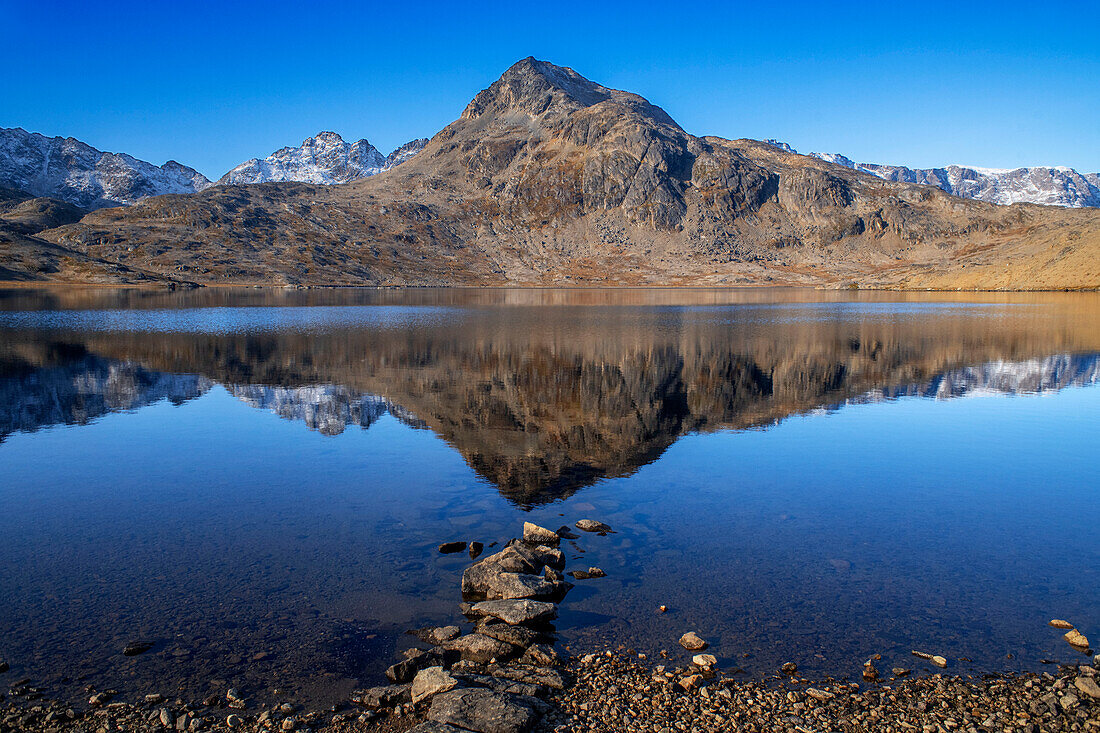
[[547, 178]]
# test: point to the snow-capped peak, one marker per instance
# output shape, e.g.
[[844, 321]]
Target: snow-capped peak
[[325, 158], [73, 171]]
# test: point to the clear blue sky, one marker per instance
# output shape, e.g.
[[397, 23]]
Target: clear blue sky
[[213, 84]]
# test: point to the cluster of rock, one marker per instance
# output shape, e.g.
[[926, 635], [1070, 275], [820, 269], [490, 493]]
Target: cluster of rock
[[495, 678], [621, 693]]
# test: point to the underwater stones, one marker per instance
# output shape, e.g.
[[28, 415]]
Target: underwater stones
[[789, 668], [516, 611], [869, 672], [591, 525], [933, 658], [431, 681], [135, 648], [483, 710], [588, 574], [436, 635], [693, 642], [449, 548], [566, 533], [536, 535]]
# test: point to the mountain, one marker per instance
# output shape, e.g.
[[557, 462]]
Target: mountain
[[1057, 186], [72, 171], [548, 178], [325, 159]]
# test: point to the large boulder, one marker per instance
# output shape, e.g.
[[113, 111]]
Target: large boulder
[[382, 697], [484, 711], [480, 648], [431, 681], [517, 610]]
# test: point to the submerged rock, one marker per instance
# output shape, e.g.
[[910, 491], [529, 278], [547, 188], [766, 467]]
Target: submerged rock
[[135, 648], [449, 548], [693, 642], [588, 574], [475, 550], [591, 525]]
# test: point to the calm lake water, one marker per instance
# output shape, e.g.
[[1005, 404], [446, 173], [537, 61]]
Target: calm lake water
[[257, 480]]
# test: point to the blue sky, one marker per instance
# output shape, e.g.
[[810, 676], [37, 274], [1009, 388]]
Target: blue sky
[[213, 84]]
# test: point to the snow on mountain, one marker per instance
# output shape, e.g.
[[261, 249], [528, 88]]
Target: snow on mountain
[[1056, 186], [325, 158], [73, 171]]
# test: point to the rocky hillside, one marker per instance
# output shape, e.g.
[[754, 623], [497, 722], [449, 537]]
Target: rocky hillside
[[549, 178], [76, 173], [1057, 186], [324, 159]]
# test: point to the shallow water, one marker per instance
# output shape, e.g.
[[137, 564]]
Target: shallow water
[[257, 480]]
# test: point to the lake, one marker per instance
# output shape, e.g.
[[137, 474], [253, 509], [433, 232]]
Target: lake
[[257, 481]]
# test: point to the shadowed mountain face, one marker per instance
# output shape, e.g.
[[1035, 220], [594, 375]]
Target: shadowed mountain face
[[544, 401], [548, 177]]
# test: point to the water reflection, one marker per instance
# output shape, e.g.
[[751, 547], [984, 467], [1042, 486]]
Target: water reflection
[[540, 401]]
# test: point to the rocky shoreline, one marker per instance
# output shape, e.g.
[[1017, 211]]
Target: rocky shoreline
[[497, 670]]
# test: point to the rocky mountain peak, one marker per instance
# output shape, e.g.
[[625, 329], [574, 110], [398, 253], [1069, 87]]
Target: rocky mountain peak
[[537, 87]]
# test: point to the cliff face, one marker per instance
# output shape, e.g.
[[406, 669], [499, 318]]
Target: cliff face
[[547, 177]]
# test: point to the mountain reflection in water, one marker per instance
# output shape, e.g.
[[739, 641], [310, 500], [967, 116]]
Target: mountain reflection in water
[[544, 401]]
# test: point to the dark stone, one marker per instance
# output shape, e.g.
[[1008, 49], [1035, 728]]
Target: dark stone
[[137, 647], [405, 670], [449, 548], [382, 697], [475, 550]]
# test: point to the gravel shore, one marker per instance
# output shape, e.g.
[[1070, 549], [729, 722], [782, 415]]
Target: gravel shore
[[613, 692]]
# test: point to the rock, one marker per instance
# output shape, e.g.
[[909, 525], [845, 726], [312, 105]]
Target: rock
[[415, 660], [430, 726], [436, 635], [1076, 638], [165, 717], [690, 682], [869, 672], [706, 661], [817, 694], [546, 676], [519, 636], [483, 711], [933, 658], [233, 721], [431, 681], [1088, 686], [4, 667], [662, 609], [566, 533], [536, 535], [587, 574], [540, 655], [153, 698], [382, 697], [900, 672], [235, 701], [136, 647], [449, 548], [692, 642], [289, 724], [550, 557], [591, 525], [516, 611], [480, 648], [475, 550], [789, 668], [100, 698], [1060, 624]]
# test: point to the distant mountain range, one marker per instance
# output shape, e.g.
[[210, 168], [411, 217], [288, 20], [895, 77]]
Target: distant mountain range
[[546, 178], [72, 171], [1051, 186]]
